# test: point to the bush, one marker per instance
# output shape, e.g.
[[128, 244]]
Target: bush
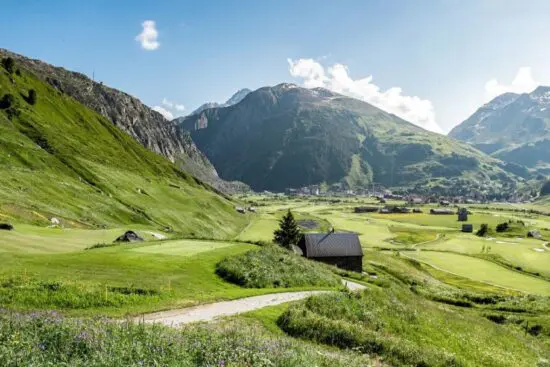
[[7, 101], [31, 98], [483, 230], [502, 227], [274, 267], [9, 64]]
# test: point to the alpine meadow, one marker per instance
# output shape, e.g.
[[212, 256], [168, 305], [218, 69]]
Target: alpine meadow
[[302, 212]]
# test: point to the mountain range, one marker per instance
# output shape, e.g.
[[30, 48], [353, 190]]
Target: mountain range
[[512, 127], [287, 136], [234, 99]]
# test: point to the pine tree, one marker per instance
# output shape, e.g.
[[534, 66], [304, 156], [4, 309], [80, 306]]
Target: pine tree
[[8, 64], [31, 99], [288, 233]]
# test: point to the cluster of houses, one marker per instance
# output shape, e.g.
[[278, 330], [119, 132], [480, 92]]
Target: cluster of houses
[[404, 210]]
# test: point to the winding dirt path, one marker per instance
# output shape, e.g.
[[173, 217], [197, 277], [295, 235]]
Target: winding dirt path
[[209, 312]]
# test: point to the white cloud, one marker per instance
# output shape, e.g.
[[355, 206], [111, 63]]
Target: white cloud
[[522, 83], [164, 112], [173, 105], [167, 103], [336, 78], [148, 36]]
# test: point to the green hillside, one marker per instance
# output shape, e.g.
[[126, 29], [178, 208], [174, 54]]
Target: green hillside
[[287, 136], [61, 159]]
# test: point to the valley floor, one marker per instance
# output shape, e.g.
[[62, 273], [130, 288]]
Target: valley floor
[[501, 281]]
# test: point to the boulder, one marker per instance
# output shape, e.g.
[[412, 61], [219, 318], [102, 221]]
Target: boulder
[[6, 227], [534, 234], [129, 236]]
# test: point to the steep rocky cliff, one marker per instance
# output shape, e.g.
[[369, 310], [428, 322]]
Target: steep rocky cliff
[[129, 114]]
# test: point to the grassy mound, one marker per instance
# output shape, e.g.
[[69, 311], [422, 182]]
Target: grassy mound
[[415, 320], [50, 340], [272, 266]]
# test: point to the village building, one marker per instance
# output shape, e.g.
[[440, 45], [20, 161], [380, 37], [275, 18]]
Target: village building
[[467, 228], [441, 211], [340, 249], [366, 209], [462, 215]]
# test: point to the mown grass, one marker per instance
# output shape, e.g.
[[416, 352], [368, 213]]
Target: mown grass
[[518, 251], [51, 340], [120, 280], [411, 236], [274, 267], [483, 271]]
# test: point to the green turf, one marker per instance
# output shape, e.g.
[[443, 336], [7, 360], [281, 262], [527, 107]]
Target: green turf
[[94, 281], [518, 251], [41, 240], [183, 247], [483, 271]]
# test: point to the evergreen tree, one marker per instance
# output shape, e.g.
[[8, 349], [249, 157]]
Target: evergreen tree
[[8, 64], [31, 99], [482, 232], [288, 233]]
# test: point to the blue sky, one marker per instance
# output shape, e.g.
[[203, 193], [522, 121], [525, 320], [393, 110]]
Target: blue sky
[[447, 57]]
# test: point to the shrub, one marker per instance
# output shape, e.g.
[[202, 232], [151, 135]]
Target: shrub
[[9, 64], [31, 98], [274, 267], [7, 101], [502, 227], [483, 230]]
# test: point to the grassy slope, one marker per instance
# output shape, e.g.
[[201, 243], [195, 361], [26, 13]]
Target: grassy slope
[[402, 323], [58, 158]]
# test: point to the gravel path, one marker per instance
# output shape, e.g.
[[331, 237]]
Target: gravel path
[[211, 311]]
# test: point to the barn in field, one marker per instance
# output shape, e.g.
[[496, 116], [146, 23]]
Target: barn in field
[[340, 249]]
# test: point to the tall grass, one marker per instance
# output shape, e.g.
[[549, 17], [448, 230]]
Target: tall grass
[[408, 330], [274, 267], [51, 340]]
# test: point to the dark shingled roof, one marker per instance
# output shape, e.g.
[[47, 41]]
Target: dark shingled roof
[[332, 244]]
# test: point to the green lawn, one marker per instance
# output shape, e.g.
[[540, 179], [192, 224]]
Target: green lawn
[[519, 251], [183, 247], [123, 279], [446, 221], [482, 270], [41, 240]]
